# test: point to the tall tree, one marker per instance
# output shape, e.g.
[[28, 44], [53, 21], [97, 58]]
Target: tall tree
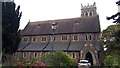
[[111, 36], [10, 24], [116, 16], [116, 33]]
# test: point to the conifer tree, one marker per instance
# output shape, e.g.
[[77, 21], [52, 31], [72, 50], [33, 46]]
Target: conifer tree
[[10, 24]]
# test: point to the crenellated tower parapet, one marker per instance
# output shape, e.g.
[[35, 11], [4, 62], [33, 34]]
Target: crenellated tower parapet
[[89, 10]]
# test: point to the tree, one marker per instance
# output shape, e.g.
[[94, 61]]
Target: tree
[[57, 58], [116, 28], [10, 24], [115, 17], [111, 40], [111, 61]]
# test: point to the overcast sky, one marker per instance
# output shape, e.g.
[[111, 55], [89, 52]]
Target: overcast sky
[[39, 10]]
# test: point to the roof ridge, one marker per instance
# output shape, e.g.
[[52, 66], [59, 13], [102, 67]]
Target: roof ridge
[[62, 19]]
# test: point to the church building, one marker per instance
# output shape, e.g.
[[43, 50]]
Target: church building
[[79, 37]]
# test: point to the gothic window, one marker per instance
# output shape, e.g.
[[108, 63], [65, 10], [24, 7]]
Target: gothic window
[[24, 54], [34, 39], [86, 14], [35, 55], [43, 39], [64, 38], [25, 39], [86, 38], [73, 55], [90, 37], [75, 38], [91, 13]]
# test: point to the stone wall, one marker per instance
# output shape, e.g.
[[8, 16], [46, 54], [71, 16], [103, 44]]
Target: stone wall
[[76, 55], [81, 37]]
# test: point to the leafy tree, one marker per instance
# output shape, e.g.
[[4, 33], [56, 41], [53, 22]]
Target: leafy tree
[[10, 24], [116, 17], [108, 61], [110, 40], [58, 58], [112, 61]]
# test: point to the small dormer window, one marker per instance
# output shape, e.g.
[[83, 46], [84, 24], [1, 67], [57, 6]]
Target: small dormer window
[[76, 22]]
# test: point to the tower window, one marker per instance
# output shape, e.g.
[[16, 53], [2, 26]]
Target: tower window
[[64, 38], [43, 39], [91, 13], [86, 14]]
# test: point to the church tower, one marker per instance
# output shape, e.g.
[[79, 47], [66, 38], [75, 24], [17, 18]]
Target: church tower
[[89, 10]]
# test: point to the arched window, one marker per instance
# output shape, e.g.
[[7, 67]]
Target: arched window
[[34, 39], [86, 14], [35, 55], [90, 37], [86, 38], [91, 14], [73, 55], [24, 54]]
